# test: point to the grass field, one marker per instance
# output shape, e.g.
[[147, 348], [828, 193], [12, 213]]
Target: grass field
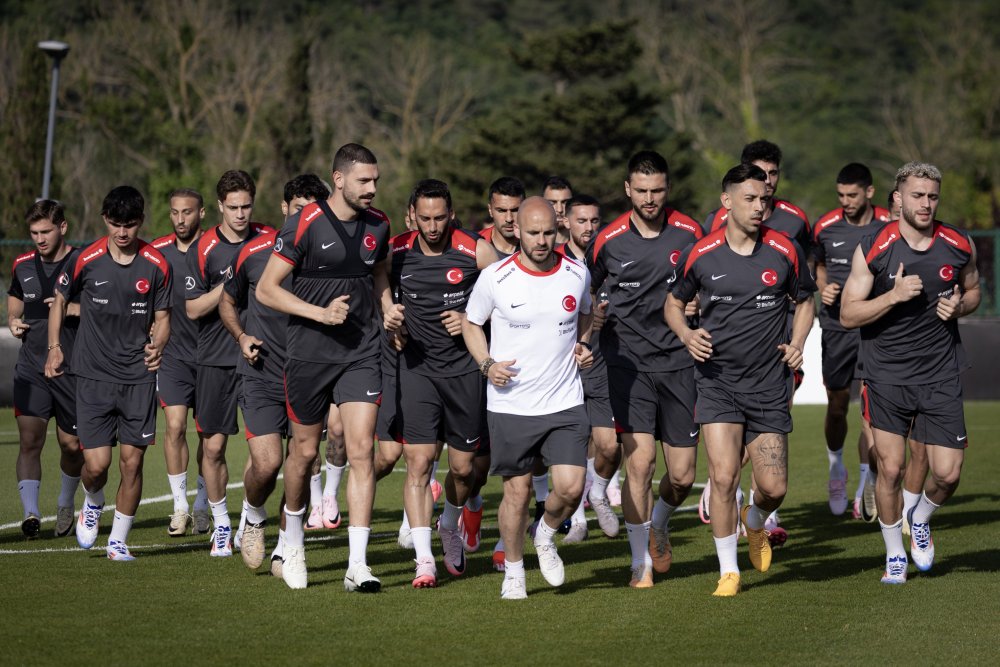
[[821, 602]]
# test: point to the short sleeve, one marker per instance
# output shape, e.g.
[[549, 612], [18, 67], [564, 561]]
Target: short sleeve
[[195, 283], [164, 293], [480, 306], [685, 282], [287, 246]]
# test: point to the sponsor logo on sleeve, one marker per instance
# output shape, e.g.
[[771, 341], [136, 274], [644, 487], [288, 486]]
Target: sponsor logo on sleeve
[[279, 244], [189, 282]]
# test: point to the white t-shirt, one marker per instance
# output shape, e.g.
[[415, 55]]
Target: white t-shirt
[[533, 322]]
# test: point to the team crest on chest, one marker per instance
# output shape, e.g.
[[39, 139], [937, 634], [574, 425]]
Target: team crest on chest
[[142, 286], [947, 272], [769, 277], [454, 275], [369, 241], [569, 303]]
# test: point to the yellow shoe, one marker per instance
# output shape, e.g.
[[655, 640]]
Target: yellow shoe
[[660, 550], [729, 585], [642, 577], [760, 547]]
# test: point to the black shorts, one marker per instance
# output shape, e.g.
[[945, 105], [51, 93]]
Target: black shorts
[[660, 403], [387, 425], [840, 358], [37, 396], [310, 388], [929, 413], [110, 413], [263, 406], [517, 440], [176, 381], [215, 399], [447, 409], [764, 411], [598, 399]]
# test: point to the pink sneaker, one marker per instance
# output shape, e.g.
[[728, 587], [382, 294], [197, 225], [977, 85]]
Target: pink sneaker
[[614, 495], [315, 520], [436, 490], [331, 512]]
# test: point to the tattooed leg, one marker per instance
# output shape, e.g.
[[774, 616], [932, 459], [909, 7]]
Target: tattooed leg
[[769, 460]]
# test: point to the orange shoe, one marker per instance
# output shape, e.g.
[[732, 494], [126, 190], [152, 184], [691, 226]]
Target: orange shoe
[[470, 525], [660, 549], [729, 585], [642, 577]]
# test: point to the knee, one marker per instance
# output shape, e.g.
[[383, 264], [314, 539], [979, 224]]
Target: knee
[[947, 479], [682, 480], [891, 471], [725, 482], [176, 430], [772, 490]]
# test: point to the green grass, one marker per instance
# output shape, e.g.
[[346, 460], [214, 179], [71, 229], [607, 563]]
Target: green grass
[[821, 602]]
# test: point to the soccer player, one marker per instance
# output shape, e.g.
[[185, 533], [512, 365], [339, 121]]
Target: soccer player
[[910, 281], [650, 376], [124, 285], [835, 237], [177, 377], [538, 303], [505, 197], [217, 386], [557, 191], [36, 398], [743, 275], [583, 219], [334, 249], [441, 392]]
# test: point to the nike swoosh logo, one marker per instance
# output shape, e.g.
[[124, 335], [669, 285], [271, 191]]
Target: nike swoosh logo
[[327, 245], [29, 278], [372, 393], [892, 276], [624, 264], [517, 305], [693, 434], [406, 276], [223, 271], [837, 244], [148, 435], [960, 439], [101, 282], [716, 277], [469, 442]]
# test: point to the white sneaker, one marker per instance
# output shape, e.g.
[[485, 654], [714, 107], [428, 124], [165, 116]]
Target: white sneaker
[[252, 545], [179, 522], [513, 588], [550, 564], [577, 533], [921, 543], [119, 552], [87, 525], [359, 578], [221, 542], [606, 517], [293, 570]]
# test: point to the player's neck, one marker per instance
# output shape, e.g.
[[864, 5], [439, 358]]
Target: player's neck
[[124, 255], [918, 239], [58, 255], [739, 241], [543, 267], [438, 248], [184, 245], [234, 236], [344, 211], [577, 251], [502, 244], [864, 217], [648, 229], [770, 207]]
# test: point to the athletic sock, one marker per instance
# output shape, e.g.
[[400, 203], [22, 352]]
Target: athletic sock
[[756, 517], [836, 459], [94, 499], [220, 513], [28, 488], [449, 517], [475, 503], [615, 482], [662, 511], [740, 497], [67, 493], [591, 473], [295, 535], [893, 536], [862, 475], [434, 469], [924, 509], [333, 477], [541, 485], [910, 500], [499, 546], [422, 542], [178, 487], [243, 516], [638, 542], [279, 548], [316, 491], [254, 515], [201, 497], [599, 489], [578, 514], [513, 569], [405, 524], [544, 534], [725, 549], [357, 540], [120, 527]]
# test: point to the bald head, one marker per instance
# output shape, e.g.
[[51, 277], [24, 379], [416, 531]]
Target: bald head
[[536, 209], [536, 229]]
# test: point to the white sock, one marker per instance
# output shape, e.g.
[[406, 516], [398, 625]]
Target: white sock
[[756, 518], [725, 549], [475, 503], [513, 569], [220, 512], [243, 516], [316, 491], [739, 497], [255, 515], [910, 500], [541, 486], [638, 541], [295, 535], [599, 489], [925, 508], [422, 542], [357, 540], [94, 499], [449, 517], [893, 536], [405, 524], [862, 474], [201, 497], [662, 511], [434, 469], [178, 487], [544, 534], [578, 515], [28, 488], [279, 548], [615, 482], [836, 459], [67, 494], [590, 470], [120, 527], [333, 476]]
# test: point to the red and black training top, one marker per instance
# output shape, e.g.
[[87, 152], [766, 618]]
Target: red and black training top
[[32, 281], [183, 343]]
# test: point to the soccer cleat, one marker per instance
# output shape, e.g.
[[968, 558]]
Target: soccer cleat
[[426, 575], [221, 543], [359, 578], [614, 495], [87, 524], [660, 549], [64, 521], [293, 570], [706, 494], [252, 545], [315, 520], [869, 510], [895, 570], [331, 512], [729, 585], [642, 577], [202, 521], [179, 522], [606, 517], [550, 564], [238, 539], [471, 528], [499, 558], [577, 533], [277, 565], [454, 551], [777, 537], [118, 551], [436, 490], [513, 588], [837, 493], [31, 527], [759, 546], [565, 526], [856, 510], [921, 543]]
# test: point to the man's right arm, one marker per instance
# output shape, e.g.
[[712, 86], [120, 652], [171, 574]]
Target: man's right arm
[[15, 310], [856, 309]]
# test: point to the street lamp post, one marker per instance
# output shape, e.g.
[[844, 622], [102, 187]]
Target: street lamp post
[[58, 51]]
